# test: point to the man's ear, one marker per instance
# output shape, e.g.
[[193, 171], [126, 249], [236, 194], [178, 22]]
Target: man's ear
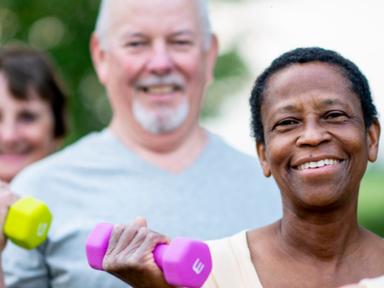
[[262, 153], [212, 57], [373, 136], [99, 58]]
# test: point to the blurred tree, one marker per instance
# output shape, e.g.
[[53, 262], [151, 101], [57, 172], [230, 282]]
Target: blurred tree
[[371, 200], [63, 29], [230, 73]]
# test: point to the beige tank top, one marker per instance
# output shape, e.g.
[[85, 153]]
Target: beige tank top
[[232, 265]]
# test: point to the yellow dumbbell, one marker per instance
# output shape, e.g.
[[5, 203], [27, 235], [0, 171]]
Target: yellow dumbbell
[[28, 222]]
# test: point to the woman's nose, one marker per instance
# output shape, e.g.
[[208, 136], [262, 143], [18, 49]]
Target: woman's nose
[[8, 131], [313, 134]]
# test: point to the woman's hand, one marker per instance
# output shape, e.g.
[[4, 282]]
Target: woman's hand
[[7, 198], [129, 256]]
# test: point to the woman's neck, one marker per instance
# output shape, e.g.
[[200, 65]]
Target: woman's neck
[[326, 236]]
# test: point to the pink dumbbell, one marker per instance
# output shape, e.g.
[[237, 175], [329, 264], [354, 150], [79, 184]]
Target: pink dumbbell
[[184, 262]]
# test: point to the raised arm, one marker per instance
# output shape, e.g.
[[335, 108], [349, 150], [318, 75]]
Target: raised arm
[[6, 200]]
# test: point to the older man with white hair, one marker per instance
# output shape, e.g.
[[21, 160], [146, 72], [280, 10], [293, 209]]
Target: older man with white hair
[[155, 59]]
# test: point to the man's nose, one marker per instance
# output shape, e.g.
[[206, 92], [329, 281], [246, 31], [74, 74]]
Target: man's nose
[[161, 61], [313, 134]]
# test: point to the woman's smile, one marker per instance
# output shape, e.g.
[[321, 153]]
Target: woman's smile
[[320, 168]]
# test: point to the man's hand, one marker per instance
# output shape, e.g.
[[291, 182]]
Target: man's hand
[[129, 256], [7, 198]]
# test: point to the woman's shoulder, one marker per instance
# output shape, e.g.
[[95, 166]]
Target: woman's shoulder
[[232, 254], [229, 247], [374, 242], [371, 254]]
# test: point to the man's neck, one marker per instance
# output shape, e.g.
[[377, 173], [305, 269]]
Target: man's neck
[[173, 152]]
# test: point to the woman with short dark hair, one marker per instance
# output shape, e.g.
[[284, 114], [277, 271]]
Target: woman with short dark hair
[[32, 118], [316, 129], [32, 109]]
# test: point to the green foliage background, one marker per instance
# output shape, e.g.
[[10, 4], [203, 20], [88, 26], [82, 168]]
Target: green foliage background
[[371, 200]]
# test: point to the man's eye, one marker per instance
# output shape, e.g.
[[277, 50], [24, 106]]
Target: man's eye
[[182, 42], [135, 44]]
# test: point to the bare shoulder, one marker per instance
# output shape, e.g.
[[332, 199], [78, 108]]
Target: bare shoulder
[[260, 240], [374, 241], [374, 251]]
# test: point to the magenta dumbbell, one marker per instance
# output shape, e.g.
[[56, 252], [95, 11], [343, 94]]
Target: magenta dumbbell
[[184, 262]]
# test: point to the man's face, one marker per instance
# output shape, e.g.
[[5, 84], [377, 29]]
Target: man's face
[[154, 64]]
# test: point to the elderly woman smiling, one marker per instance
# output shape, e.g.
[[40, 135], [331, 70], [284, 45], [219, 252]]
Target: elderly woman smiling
[[32, 109], [316, 128]]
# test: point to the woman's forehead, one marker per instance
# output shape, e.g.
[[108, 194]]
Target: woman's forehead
[[306, 76], [320, 85]]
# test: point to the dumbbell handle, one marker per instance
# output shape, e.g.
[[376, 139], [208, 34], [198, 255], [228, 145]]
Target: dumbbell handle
[[97, 245], [158, 254], [184, 262]]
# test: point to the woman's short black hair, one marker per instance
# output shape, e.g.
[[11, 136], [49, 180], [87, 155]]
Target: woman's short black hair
[[359, 83], [26, 68]]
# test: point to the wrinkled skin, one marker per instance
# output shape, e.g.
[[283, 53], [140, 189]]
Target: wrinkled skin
[[129, 256]]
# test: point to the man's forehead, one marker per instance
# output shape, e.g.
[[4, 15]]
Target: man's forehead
[[171, 16], [151, 6]]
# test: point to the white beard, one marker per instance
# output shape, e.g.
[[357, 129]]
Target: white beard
[[161, 120]]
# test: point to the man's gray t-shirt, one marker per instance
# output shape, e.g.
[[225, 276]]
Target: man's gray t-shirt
[[99, 180]]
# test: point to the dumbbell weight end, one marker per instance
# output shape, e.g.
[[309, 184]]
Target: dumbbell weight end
[[184, 262], [28, 222]]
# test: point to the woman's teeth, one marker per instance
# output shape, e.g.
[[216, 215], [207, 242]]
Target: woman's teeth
[[317, 164]]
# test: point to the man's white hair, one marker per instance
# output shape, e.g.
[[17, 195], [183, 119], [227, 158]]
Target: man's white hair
[[101, 28]]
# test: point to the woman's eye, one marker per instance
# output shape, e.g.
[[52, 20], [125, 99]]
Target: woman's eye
[[335, 115], [285, 124], [27, 117]]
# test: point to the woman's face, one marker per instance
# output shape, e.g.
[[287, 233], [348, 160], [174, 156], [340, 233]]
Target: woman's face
[[26, 131], [316, 144]]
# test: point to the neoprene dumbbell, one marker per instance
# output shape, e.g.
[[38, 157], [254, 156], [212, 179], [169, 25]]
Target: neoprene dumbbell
[[27, 222], [184, 262]]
